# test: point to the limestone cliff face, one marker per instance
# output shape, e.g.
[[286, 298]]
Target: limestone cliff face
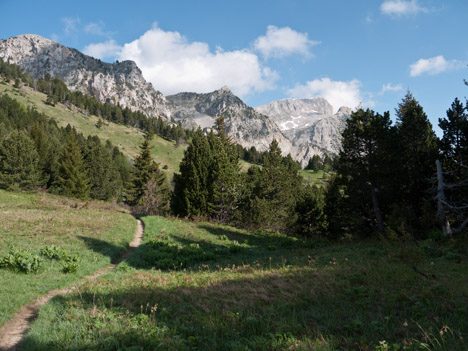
[[120, 82], [243, 124], [302, 127], [309, 124]]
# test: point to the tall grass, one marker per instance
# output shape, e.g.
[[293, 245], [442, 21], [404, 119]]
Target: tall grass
[[274, 293], [95, 232]]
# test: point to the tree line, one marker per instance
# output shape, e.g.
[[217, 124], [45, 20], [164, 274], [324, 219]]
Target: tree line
[[385, 181], [57, 92]]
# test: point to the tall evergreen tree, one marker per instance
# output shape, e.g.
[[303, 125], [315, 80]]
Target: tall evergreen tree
[[454, 143], [417, 155], [104, 177], [19, 162], [191, 194], [365, 165], [73, 178], [274, 194], [224, 182], [453, 181], [148, 190]]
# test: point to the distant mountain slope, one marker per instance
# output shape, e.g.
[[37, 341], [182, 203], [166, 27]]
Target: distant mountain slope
[[243, 124], [308, 122], [120, 82], [303, 127], [128, 139]]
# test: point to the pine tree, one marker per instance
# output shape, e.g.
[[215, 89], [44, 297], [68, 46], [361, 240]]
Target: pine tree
[[314, 164], [104, 177], [72, 179], [19, 167], [365, 165], [191, 194], [224, 182], [148, 191], [454, 143], [273, 197], [417, 155]]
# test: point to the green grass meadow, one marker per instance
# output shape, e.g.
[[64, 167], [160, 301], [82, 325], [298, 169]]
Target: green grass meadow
[[126, 138], [201, 286], [31, 221]]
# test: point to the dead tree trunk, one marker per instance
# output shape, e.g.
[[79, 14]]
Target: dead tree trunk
[[378, 214], [441, 201]]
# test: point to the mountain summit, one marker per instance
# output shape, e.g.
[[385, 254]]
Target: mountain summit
[[302, 127], [120, 82], [308, 123]]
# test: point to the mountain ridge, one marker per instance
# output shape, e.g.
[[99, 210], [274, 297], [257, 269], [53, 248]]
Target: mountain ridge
[[120, 82], [302, 127]]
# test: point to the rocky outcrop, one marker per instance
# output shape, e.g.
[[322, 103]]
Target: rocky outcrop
[[120, 82], [302, 127], [243, 124], [309, 124]]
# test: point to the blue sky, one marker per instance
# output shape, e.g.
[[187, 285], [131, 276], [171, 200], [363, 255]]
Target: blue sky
[[350, 52]]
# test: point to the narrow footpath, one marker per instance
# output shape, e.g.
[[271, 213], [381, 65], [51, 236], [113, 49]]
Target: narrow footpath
[[13, 332]]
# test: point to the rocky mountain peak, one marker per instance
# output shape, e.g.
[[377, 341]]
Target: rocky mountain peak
[[120, 82], [309, 124]]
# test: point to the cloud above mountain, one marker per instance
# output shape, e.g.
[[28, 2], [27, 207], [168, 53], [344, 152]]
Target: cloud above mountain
[[338, 93], [103, 50], [281, 42], [174, 64]]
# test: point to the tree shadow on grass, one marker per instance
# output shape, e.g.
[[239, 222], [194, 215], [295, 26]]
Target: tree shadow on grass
[[259, 313], [300, 308], [104, 248], [171, 251]]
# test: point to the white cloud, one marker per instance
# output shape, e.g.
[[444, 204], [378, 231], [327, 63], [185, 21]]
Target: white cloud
[[70, 24], [434, 65], [390, 87], [400, 8], [337, 93], [102, 50], [97, 28], [173, 64], [280, 42]]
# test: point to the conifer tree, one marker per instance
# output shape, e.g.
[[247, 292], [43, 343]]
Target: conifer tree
[[105, 180], [417, 155], [224, 182], [273, 202], [19, 162], [148, 191], [365, 165], [73, 178], [191, 194]]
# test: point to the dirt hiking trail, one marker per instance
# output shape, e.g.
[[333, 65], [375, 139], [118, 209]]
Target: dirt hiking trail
[[14, 330]]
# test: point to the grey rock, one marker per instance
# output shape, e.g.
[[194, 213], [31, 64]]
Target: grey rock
[[120, 82], [309, 124], [243, 124]]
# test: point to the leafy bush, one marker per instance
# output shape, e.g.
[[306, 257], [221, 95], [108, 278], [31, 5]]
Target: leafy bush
[[164, 253], [22, 261], [25, 261], [53, 252], [235, 247], [69, 267]]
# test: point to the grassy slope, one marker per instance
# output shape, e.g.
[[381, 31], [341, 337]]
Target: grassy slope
[[253, 291], [32, 221], [126, 138], [319, 178]]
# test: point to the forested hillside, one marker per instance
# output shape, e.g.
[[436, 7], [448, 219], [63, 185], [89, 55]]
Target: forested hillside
[[372, 258]]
